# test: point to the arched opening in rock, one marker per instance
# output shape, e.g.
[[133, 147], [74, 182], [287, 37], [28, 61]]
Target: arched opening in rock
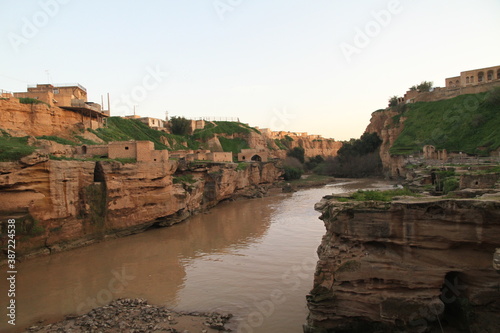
[[458, 311], [256, 158]]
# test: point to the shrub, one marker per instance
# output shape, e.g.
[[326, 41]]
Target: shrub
[[298, 153], [292, 173], [450, 184], [393, 101]]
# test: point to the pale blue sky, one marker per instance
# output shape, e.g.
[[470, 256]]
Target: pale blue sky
[[274, 63]]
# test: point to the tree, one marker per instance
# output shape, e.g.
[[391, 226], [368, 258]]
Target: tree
[[424, 86], [393, 101], [298, 153], [180, 125]]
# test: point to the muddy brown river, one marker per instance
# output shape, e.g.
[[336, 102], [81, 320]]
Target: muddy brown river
[[254, 259]]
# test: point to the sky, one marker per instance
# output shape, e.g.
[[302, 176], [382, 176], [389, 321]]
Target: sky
[[319, 66]]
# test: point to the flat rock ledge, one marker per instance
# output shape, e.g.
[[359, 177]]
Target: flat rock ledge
[[137, 316]]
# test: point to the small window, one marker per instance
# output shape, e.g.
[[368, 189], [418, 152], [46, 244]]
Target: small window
[[126, 148], [467, 79], [56, 91]]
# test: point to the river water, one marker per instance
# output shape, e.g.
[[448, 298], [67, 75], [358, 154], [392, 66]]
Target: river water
[[254, 259]]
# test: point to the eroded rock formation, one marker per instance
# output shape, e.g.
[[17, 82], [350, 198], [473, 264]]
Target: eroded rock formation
[[410, 265], [60, 204]]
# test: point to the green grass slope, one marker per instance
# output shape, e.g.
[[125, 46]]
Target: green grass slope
[[121, 129], [467, 123]]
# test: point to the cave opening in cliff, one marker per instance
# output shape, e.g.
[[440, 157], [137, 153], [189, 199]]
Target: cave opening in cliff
[[99, 173], [256, 158], [458, 311]]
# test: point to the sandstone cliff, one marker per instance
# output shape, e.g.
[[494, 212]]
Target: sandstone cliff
[[410, 265], [60, 204], [36, 119], [383, 123]]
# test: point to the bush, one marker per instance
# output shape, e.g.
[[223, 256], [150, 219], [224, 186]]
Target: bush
[[298, 153], [314, 162], [393, 101], [292, 173], [450, 184]]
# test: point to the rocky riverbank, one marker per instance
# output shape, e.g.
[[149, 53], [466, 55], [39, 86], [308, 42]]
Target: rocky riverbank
[[137, 316], [410, 265], [58, 205]]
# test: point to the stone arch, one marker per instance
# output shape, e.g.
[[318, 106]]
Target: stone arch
[[498, 74], [489, 75], [467, 79], [472, 79], [256, 158], [480, 77], [450, 84], [457, 83]]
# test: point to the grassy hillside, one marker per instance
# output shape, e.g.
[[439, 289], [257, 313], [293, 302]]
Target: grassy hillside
[[13, 148], [120, 129], [467, 123]]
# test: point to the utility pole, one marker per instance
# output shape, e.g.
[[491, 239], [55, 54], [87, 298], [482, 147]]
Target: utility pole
[[109, 107]]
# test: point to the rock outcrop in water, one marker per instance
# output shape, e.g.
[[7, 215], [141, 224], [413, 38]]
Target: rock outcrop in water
[[410, 265], [61, 204]]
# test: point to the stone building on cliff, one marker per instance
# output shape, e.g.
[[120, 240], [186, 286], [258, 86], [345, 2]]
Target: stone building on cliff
[[71, 97], [468, 82]]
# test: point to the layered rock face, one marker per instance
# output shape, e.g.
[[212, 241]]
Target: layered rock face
[[60, 204], [36, 119], [407, 266], [382, 123]]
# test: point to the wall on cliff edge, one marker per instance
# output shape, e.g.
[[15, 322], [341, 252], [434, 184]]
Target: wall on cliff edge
[[397, 266], [62, 204]]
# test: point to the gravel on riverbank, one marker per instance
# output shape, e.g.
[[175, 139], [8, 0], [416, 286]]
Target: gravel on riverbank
[[137, 316]]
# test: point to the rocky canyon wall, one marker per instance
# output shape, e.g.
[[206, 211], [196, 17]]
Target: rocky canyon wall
[[383, 123], [62, 204], [407, 266], [36, 119]]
